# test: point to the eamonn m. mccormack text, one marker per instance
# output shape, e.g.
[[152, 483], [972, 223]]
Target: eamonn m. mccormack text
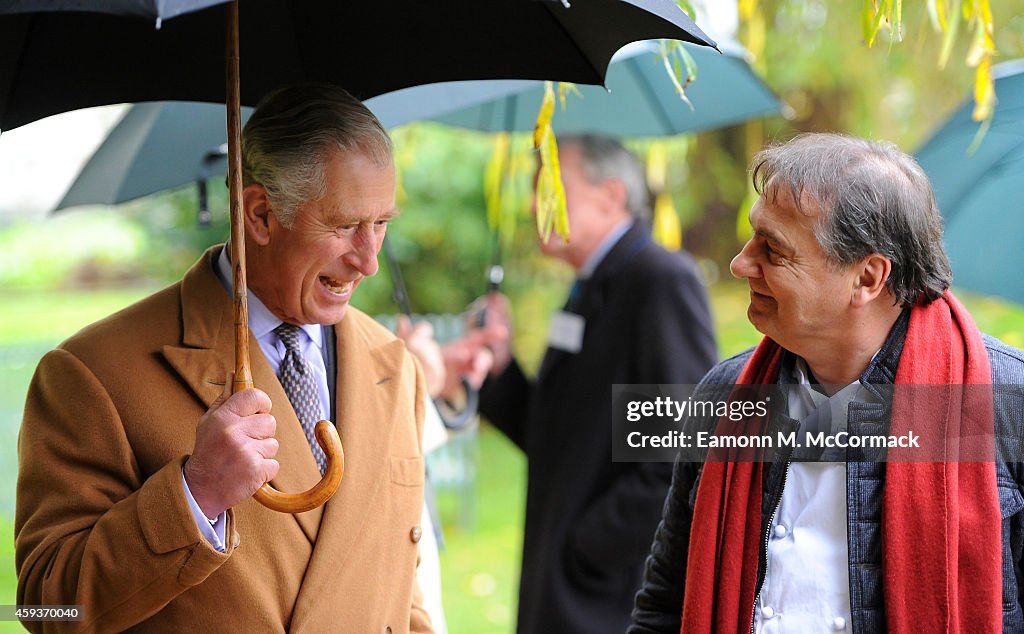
[[843, 440]]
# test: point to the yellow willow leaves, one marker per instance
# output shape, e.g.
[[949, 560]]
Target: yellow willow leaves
[[754, 142], [665, 226], [948, 16], [657, 166], [984, 92], [755, 30], [980, 55], [547, 110], [494, 176], [679, 65], [404, 139], [551, 211], [507, 185], [565, 88], [948, 24], [401, 196], [879, 12]]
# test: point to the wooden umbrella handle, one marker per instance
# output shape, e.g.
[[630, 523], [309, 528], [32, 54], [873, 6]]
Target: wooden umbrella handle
[[327, 438], [326, 434]]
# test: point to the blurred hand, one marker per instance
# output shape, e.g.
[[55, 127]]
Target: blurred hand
[[419, 339], [465, 358], [482, 350], [234, 450], [496, 332]]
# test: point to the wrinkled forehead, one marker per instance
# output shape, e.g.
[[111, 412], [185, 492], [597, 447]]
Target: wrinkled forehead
[[783, 193]]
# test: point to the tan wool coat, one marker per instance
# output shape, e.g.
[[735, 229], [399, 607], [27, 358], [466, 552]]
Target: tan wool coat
[[102, 520]]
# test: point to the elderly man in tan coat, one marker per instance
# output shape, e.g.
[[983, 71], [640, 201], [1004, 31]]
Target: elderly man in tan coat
[[137, 467]]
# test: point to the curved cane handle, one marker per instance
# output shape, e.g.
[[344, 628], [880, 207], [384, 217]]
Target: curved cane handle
[[327, 438], [458, 421]]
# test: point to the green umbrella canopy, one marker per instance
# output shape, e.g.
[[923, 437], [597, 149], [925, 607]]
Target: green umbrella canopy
[[639, 100], [978, 191]]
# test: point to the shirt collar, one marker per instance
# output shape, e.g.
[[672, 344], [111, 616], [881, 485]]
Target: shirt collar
[[261, 321], [603, 248], [853, 392]]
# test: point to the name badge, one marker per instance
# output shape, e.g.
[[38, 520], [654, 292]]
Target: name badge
[[567, 332]]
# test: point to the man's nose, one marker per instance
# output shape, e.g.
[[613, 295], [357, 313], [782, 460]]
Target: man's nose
[[744, 265], [363, 254]]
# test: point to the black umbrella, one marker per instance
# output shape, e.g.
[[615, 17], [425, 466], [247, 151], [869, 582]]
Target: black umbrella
[[59, 55], [53, 61]]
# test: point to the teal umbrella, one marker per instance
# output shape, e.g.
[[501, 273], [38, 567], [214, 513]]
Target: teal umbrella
[[161, 145], [165, 144], [639, 100], [978, 189]]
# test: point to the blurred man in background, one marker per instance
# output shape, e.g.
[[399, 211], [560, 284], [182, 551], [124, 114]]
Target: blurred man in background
[[637, 314]]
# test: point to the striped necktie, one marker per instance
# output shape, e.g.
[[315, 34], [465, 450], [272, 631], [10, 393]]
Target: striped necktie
[[299, 384]]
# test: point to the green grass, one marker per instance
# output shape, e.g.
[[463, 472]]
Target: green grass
[[8, 580], [480, 563], [51, 317]]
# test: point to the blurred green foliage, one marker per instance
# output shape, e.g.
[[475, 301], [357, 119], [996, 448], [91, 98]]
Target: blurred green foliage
[[69, 250]]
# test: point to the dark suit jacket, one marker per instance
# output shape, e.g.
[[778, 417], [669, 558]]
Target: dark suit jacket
[[589, 521]]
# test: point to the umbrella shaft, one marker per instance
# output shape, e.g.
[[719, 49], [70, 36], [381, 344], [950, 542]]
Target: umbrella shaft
[[243, 375]]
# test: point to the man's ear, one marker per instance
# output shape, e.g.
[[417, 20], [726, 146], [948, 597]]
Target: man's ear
[[872, 274], [615, 191], [256, 211]]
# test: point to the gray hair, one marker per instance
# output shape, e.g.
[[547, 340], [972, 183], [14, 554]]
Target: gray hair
[[874, 198], [604, 159], [289, 135]]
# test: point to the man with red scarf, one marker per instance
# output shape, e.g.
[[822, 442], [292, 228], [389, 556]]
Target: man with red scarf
[[849, 284]]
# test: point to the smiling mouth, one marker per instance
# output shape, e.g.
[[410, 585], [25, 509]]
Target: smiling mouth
[[335, 286]]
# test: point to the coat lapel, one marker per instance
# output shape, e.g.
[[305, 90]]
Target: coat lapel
[[206, 311], [207, 355], [368, 381]]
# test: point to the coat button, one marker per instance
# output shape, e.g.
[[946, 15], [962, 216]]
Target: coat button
[[767, 612], [839, 624], [415, 534], [236, 540], [780, 531]]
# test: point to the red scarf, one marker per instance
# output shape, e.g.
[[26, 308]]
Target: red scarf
[[941, 541]]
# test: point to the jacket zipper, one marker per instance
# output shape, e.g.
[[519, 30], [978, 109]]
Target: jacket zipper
[[767, 536]]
